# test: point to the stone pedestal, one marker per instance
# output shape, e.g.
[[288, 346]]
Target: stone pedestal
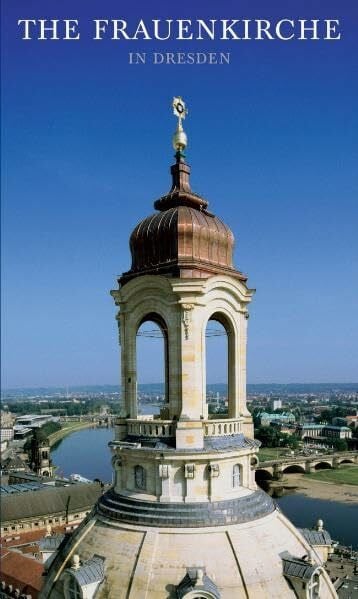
[[190, 435]]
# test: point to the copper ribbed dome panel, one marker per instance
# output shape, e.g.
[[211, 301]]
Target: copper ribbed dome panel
[[183, 239], [204, 237], [183, 242], [153, 241]]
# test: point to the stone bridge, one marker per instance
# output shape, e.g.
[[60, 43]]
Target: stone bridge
[[274, 469]]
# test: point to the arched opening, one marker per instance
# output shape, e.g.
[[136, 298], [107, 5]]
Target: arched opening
[[294, 469], [152, 365], [346, 462], [322, 466], [261, 474], [219, 382], [263, 478]]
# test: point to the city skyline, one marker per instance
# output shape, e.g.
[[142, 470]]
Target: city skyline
[[271, 146]]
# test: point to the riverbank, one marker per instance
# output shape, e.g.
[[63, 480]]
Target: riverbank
[[86, 452], [68, 429], [318, 489]]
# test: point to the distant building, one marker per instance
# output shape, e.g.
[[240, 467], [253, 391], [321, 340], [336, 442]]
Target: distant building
[[13, 463], [346, 420], [6, 419], [22, 432], [276, 404], [26, 511], [40, 460], [35, 420], [327, 432], [19, 478], [284, 427], [337, 432], [286, 417], [6, 434]]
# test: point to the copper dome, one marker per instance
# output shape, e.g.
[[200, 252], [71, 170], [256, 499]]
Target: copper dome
[[183, 239]]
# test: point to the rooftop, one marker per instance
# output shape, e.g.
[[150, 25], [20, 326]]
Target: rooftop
[[316, 537], [21, 488], [23, 572], [51, 500]]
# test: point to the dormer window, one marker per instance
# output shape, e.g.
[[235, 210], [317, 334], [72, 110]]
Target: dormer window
[[82, 579], [73, 589], [197, 585]]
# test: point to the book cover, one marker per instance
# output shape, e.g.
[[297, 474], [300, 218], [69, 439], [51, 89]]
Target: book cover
[[108, 109]]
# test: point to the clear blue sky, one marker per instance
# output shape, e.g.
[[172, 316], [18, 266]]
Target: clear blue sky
[[87, 149]]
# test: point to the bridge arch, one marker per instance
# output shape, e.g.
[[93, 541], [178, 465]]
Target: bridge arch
[[322, 466], [294, 469], [346, 461], [261, 474]]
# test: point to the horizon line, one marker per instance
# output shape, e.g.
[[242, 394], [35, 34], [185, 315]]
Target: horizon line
[[66, 388]]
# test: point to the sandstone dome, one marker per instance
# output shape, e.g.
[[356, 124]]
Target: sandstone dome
[[261, 556]]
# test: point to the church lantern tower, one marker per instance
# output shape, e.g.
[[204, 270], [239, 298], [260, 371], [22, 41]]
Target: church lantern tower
[[184, 518]]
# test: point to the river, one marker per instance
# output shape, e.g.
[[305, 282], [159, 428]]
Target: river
[[86, 452]]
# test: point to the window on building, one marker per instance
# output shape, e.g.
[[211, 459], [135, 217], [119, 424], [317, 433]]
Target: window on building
[[236, 476], [140, 477]]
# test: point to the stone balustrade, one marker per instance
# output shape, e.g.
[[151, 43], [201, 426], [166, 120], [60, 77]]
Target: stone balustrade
[[151, 428], [222, 427], [166, 428]]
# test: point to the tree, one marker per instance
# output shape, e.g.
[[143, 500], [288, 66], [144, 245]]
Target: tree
[[293, 442], [340, 444], [269, 436]]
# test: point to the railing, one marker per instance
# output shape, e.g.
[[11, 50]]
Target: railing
[[166, 428], [151, 428], [222, 427]]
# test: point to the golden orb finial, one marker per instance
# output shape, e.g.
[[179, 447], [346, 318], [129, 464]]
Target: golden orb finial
[[180, 140]]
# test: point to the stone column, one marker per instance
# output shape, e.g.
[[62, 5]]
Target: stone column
[[233, 372], [129, 371], [191, 360], [277, 471], [242, 362]]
